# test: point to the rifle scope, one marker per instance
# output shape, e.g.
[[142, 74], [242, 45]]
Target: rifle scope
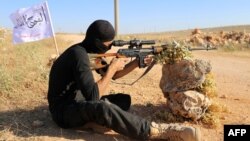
[[133, 43]]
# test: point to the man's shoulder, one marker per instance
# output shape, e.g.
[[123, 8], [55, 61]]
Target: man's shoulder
[[77, 49]]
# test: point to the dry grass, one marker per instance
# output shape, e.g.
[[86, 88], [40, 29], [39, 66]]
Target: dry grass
[[23, 71], [208, 87], [211, 117], [23, 86]]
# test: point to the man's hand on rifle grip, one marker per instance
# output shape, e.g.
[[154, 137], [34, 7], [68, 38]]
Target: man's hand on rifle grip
[[117, 64], [148, 60]]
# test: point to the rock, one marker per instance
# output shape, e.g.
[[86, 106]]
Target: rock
[[37, 123], [188, 104], [196, 31], [183, 75], [220, 39]]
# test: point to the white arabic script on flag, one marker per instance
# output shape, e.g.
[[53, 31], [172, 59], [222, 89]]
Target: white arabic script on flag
[[32, 24]]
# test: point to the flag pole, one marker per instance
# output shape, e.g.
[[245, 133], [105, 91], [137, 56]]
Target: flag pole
[[54, 37], [52, 28]]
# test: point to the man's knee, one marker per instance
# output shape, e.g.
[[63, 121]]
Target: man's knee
[[121, 100], [103, 106], [93, 109]]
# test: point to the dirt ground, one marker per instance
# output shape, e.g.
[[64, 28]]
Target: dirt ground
[[232, 75]]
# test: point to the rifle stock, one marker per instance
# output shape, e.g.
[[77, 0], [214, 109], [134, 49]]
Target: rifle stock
[[96, 59]]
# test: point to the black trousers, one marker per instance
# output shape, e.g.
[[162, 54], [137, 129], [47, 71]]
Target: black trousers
[[109, 112]]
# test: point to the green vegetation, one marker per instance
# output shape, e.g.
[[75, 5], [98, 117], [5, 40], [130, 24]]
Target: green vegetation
[[173, 52]]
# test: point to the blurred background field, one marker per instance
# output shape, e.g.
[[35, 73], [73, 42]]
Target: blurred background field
[[24, 74]]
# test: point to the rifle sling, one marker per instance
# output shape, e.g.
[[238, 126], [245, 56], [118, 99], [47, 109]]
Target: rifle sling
[[145, 72]]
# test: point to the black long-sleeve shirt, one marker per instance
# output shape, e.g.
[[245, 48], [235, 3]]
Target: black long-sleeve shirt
[[70, 74]]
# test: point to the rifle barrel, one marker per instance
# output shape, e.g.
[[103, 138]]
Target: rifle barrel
[[202, 48]]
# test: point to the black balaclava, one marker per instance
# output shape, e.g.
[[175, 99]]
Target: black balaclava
[[98, 32]]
